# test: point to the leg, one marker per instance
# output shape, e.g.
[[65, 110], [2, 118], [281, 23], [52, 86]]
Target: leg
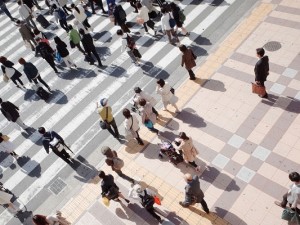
[[21, 124], [139, 140], [175, 106], [5, 10], [79, 48], [20, 81], [64, 25], [32, 22], [90, 58], [152, 212], [132, 3], [204, 206], [66, 62], [70, 60], [124, 176], [114, 125], [39, 78], [122, 196], [192, 75], [65, 154], [50, 61], [100, 4], [168, 32], [97, 56], [154, 130], [86, 24], [92, 6], [110, 130], [193, 164], [154, 111], [284, 200], [145, 26], [174, 34], [266, 94]]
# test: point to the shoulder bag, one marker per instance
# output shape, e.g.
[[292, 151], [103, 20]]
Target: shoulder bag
[[172, 21], [103, 123]]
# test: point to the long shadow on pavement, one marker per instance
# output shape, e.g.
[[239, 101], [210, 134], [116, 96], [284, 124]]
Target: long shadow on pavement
[[222, 212], [85, 171]]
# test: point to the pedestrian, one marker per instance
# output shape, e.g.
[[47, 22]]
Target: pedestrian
[[109, 189], [11, 113], [41, 35], [53, 140], [61, 48], [26, 14], [5, 10], [185, 144], [120, 18], [166, 27], [7, 146], [10, 72], [148, 117], [89, 47], [142, 94], [131, 125], [107, 117], [61, 17], [133, 4], [5, 199], [193, 193], [32, 73], [79, 14], [26, 34], [177, 15], [57, 219], [74, 37], [188, 59], [115, 163], [99, 3], [144, 19], [164, 89], [46, 52], [261, 69], [292, 197]]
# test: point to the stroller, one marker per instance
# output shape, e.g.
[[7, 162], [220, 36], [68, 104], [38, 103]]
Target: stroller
[[167, 149]]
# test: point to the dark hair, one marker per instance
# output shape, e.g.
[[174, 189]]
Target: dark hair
[[3, 59], [294, 176], [70, 27], [36, 31], [39, 220], [109, 162], [19, 2], [126, 113], [81, 31], [161, 82], [18, 22], [139, 5], [75, 7], [142, 102], [41, 130], [54, 6], [137, 90], [22, 61], [163, 10], [120, 32], [260, 52], [101, 174], [182, 48], [57, 40], [173, 6], [183, 136]]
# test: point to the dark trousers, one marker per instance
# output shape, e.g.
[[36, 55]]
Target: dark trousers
[[124, 28], [17, 79], [63, 155], [153, 213], [50, 61], [99, 3], [145, 24], [95, 54], [86, 24], [5, 10], [191, 73], [79, 48], [38, 78], [262, 83], [193, 164], [124, 176], [139, 140], [113, 124], [64, 25], [204, 205]]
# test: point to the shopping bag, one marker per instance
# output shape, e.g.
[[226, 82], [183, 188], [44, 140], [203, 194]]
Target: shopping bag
[[287, 214], [5, 78], [58, 58], [157, 200], [105, 201], [258, 89]]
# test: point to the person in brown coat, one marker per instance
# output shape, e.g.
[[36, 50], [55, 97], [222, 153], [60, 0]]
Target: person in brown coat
[[188, 59], [27, 34]]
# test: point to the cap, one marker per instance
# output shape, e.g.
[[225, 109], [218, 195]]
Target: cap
[[105, 150], [103, 101]]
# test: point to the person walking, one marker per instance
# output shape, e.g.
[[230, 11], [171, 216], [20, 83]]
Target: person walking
[[57, 219], [185, 144], [7, 146], [10, 72], [79, 14], [120, 18], [166, 27], [107, 117], [99, 3], [133, 5], [164, 89], [131, 125], [61, 17], [75, 38], [148, 117], [53, 140], [292, 197], [143, 17], [46, 52], [142, 94], [89, 47], [5, 199], [176, 13], [26, 34], [193, 193], [188, 59], [109, 188], [26, 14], [11, 113], [5, 10], [32, 73], [115, 162], [61, 48], [261, 69]]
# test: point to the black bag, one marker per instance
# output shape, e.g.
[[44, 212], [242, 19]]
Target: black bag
[[147, 200], [43, 21], [150, 23], [72, 44], [152, 15], [136, 53], [172, 90], [42, 93]]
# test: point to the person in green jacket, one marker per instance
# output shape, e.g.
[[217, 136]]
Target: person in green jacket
[[75, 38]]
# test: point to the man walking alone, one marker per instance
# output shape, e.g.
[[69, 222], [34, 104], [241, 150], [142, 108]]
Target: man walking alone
[[261, 69]]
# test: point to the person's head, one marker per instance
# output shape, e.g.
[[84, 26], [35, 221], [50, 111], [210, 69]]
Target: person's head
[[163, 11], [120, 32], [137, 90], [1, 100], [72, 5], [70, 27], [142, 102], [294, 176], [36, 31], [138, 5], [38, 39], [260, 52], [187, 177], [39, 220], [19, 3], [173, 6], [42, 130], [18, 22], [109, 162], [161, 82], [182, 48], [54, 6], [101, 174], [103, 101], [57, 40], [126, 113], [22, 61], [183, 136], [3, 59], [105, 150], [81, 31]]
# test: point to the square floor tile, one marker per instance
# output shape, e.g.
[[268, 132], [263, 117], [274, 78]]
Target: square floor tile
[[288, 72], [261, 153], [236, 141], [298, 96], [245, 174], [277, 88], [220, 161]]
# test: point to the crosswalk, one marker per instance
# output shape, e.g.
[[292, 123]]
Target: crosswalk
[[71, 109]]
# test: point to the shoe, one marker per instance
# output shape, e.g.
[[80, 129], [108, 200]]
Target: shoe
[[198, 168], [140, 142], [155, 31], [278, 204], [100, 65], [104, 12], [133, 182], [17, 86], [75, 66], [206, 210], [181, 203], [160, 155], [265, 96], [192, 78], [126, 200], [49, 89]]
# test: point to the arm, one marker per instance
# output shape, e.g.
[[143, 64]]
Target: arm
[[46, 145], [12, 105], [54, 134], [182, 60]]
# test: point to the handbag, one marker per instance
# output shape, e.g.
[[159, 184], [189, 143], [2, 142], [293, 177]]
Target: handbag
[[136, 53], [148, 124], [105, 201], [157, 200], [5, 78], [152, 14], [172, 21], [287, 214], [103, 123], [258, 89]]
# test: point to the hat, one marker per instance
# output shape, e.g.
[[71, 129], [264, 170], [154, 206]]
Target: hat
[[105, 150], [103, 101]]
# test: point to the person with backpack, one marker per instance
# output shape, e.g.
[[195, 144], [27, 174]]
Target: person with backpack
[[26, 34], [74, 37], [120, 18], [179, 18], [115, 163], [131, 125], [79, 14], [61, 17], [188, 59], [62, 50], [143, 16], [167, 27], [32, 73]]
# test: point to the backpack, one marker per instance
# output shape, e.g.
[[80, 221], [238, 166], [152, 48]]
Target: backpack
[[181, 16], [61, 14], [118, 163], [130, 42], [147, 200], [122, 13], [44, 49]]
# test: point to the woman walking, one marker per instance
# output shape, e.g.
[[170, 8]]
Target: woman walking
[[5, 199], [79, 14], [7, 146], [167, 97], [143, 17], [176, 12], [10, 72], [61, 48], [148, 116], [75, 39], [166, 26], [188, 59], [131, 125]]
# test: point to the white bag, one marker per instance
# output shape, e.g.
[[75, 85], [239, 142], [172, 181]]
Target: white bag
[[9, 72], [56, 144]]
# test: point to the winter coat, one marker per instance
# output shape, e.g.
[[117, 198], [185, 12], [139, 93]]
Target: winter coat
[[193, 192], [188, 59], [30, 71], [175, 14], [147, 113], [261, 69], [10, 111], [74, 36], [26, 32], [81, 16], [87, 42], [165, 92], [188, 149], [106, 183], [116, 12], [132, 125], [10, 71], [143, 13], [24, 11], [61, 48]]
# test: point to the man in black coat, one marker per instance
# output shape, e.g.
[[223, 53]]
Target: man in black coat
[[261, 69], [10, 111], [89, 47]]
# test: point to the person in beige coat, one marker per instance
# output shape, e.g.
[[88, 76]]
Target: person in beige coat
[[142, 94], [148, 117], [185, 144], [167, 97]]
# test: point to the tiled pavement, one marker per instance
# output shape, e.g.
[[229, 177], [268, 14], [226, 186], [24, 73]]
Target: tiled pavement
[[247, 145]]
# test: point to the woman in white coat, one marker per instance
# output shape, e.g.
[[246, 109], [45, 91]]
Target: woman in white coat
[[79, 14], [142, 94], [131, 125], [5, 198], [143, 17], [7, 146], [148, 117], [167, 97]]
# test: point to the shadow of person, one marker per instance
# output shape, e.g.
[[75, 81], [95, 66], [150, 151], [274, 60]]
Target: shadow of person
[[6, 159], [152, 71], [214, 85], [27, 164], [289, 104], [98, 35], [85, 171], [230, 217], [62, 100], [33, 138], [140, 211], [115, 71], [25, 217], [190, 116], [200, 40], [216, 3], [198, 51], [103, 51], [31, 96]]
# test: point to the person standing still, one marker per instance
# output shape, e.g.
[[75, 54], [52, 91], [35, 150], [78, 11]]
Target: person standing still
[[5, 10], [188, 59], [193, 193], [105, 113], [261, 69]]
